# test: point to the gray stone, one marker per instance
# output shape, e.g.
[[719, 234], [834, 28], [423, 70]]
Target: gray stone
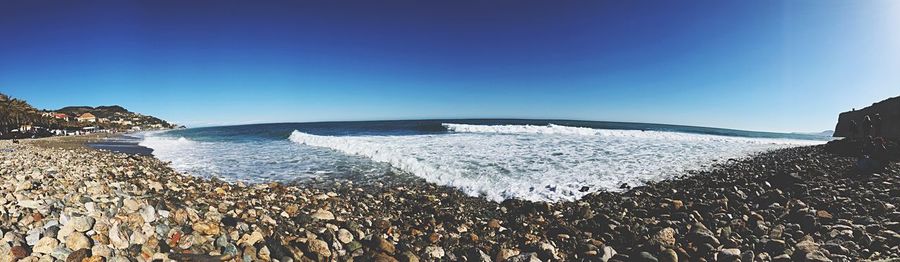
[[525, 257], [33, 237], [82, 223]]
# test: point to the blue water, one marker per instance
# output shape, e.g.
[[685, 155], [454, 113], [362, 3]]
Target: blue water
[[541, 160], [278, 131]]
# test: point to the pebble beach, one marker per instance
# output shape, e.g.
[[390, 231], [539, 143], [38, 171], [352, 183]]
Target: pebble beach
[[61, 202]]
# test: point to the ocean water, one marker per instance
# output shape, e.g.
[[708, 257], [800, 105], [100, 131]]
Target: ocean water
[[538, 160]]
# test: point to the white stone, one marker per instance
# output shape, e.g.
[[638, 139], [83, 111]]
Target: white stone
[[434, 252], [322, 214], [163, 213], [29, 204], [344, 236], [137, 238], [148, 213], [33, 237], [64, 231], [116, 238], [45, 245]]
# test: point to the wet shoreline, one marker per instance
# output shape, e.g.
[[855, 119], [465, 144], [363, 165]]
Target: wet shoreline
[[121, 143]]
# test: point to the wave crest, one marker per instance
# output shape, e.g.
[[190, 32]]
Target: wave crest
[[543, 167], [553, 129], [550, 129], [166, 143]]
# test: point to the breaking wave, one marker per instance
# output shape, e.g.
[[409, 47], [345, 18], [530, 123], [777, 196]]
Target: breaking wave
[[159, 143], [553, 129], [544, 163]]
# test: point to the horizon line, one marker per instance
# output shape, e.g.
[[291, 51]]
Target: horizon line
[[504, 118]]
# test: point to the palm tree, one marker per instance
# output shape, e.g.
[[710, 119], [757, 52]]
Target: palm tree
[[15, 113], [4, 112]]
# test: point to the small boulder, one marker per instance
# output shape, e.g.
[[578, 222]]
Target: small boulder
[[729, 255], [344, 236], [322, 214], [319, 248], [82, 223], [45, 245], [434, 252], [76, 241]]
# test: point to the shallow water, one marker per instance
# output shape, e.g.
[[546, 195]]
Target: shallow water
[[536, 160]]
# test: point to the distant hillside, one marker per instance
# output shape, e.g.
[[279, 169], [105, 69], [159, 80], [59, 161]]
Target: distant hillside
[[100, 111], [17, 118], [117, 115]]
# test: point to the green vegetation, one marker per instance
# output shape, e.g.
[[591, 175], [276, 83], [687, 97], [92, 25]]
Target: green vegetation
[[15, 113]]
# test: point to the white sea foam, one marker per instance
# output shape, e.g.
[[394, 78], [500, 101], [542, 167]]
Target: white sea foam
[[166, 143], [553, 129], [256, 161], [544, 163], [550, 129], [541, 163], [184, 154]]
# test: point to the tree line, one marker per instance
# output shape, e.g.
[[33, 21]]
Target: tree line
[[16, 113]]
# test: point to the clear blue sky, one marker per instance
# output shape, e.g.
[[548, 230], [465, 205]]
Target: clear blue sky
[[757, 65]]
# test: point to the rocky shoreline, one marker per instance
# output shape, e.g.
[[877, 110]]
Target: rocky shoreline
[[797, 204]]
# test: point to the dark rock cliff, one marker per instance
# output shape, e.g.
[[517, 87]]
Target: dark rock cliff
[[889, 126]]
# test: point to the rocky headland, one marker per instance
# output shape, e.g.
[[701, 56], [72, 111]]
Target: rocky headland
[[879, 119], [797, 204]]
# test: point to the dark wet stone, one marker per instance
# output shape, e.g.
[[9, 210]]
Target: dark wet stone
[[164, 247], [229, 221], [78, 255], [645, 257], [51, 232], [383, 245], [187, 230], [277, 250], [701, 235]]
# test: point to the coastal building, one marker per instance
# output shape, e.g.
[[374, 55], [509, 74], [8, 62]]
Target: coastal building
[[123, 122], [61, 116], [51, 114], [87, 117]]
